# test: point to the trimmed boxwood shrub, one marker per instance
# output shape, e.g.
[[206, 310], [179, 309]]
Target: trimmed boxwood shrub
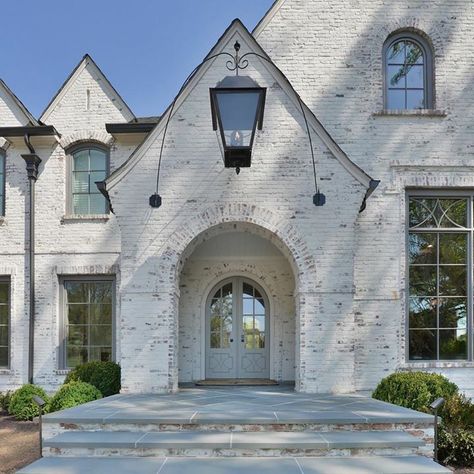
[[5, 400], [73, 394], [22, 406], [105, 376], [415, 390]]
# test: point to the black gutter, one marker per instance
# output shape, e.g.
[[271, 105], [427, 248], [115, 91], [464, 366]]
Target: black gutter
[[32, 161], [129, 127], [31, 131], [372, 187], [102, 187]]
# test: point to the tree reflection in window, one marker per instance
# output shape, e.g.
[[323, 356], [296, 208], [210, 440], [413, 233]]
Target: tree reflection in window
[[408, 72], [438, 274], [221, 317], [253, 306]]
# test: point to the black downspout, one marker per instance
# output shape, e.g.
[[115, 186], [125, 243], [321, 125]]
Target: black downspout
[[32, 163]]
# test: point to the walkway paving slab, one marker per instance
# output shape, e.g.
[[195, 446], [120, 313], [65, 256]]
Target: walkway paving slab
[[94, 466], [352, 465], [371, 465]]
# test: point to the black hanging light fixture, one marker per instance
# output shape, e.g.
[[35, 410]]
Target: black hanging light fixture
[[237, 105]]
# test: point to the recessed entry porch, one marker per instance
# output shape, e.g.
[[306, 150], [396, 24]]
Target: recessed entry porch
[[236, 310]]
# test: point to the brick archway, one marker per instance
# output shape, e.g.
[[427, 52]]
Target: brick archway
[[276, 228], [252, 219]]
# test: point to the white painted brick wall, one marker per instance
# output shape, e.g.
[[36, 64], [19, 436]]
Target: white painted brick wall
[[63, 247], [332, 53], [349, 269]]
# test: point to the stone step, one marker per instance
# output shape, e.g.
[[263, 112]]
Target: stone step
[[214, 443], [285, 465]]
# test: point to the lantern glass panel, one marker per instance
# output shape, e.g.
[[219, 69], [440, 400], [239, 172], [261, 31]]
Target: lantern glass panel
[[238, 113]]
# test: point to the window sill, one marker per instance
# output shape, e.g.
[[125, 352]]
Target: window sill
[[5, 372], [62, 371], [410, 113], [85, 218], [455, 364]]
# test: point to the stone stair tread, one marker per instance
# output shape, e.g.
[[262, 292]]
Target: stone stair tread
[[235, 440], [237, 465]]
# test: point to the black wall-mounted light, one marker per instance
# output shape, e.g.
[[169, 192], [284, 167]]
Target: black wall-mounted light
[[237, 105]]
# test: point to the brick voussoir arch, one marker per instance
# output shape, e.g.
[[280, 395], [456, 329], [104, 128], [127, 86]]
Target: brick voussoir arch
[[87, 136], [284, 235]]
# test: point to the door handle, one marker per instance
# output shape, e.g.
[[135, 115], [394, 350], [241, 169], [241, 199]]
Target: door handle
[[242, 338], [231, 340]]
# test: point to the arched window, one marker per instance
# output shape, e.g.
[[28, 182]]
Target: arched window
[[408, 72], [89, 164]]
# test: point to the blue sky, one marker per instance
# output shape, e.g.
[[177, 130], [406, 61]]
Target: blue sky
[[145, 47]]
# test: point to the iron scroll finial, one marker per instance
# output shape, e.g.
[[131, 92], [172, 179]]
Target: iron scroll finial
[[237, 62]]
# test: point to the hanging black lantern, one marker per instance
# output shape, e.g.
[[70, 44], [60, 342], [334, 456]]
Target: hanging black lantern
[[237, 104]]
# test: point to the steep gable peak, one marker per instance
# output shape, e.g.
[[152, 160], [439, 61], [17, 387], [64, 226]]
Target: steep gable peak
[[237, 31], [87, 63], [18, 114]]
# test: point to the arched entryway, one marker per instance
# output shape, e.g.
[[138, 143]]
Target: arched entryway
[[237, 307], [237, 330]]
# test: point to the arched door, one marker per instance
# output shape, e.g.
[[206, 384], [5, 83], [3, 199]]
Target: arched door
[[237, 330]]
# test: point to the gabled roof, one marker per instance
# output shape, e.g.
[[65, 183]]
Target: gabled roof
[[277, 4], [16, 102], [71, 79], [236, 27]]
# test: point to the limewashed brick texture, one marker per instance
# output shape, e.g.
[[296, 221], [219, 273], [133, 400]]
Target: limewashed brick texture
[[335, 278]]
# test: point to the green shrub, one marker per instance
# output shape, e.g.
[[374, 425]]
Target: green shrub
[[5, 400], [456, 447], [73, 394], [105, 376], [458, 413], [415, 390], [22, 406]]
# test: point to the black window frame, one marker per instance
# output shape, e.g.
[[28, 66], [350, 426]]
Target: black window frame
[[7, 279], [62, 365], [469, 230], [70, 152], [428, 65]]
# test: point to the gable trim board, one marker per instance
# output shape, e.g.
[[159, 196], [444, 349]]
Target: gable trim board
[[16, 102], [267, 18], [71, 79], [237, 28]]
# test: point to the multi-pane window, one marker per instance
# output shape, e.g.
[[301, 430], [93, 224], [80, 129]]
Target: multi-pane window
[[440, 275], [89, 165], [221, 317], [407, 73], [2, 184], [253, 306], [4, 322], [88, 321]]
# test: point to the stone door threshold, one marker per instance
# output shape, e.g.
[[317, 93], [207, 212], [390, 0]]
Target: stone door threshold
[[234, 382]]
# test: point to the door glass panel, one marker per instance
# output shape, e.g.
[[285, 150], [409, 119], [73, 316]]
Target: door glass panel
[[221, 318], [253, 318]]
